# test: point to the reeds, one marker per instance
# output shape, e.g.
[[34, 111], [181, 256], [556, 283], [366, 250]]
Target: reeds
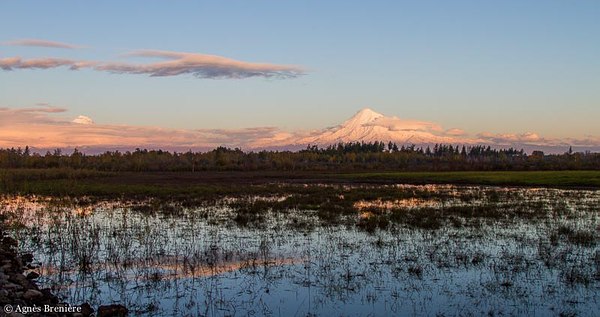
[[309, 249]]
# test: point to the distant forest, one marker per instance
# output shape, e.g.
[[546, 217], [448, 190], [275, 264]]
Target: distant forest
[[354, 156]]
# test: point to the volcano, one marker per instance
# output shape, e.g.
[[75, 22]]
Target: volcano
[[368, 125]]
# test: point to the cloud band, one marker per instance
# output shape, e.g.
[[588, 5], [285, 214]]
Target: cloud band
[[175, 63]]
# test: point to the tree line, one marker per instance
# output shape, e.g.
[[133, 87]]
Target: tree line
[[352, 156]]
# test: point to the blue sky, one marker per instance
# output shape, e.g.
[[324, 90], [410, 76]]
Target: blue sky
[[509, 66]]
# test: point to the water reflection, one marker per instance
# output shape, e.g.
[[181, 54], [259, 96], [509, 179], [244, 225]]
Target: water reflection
[[200, 262]]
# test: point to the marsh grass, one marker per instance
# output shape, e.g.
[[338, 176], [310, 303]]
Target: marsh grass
[[191, 187], [297, 249]]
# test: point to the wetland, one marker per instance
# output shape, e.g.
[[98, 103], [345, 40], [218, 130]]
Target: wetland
[[299, 249]]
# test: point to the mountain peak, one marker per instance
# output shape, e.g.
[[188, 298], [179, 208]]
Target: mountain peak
[[365, 115], [367, 110], [368, 126]]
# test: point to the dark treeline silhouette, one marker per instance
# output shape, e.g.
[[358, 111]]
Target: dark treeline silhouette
[[341, 157]]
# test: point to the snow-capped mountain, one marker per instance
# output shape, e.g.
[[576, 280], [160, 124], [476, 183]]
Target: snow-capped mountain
[[368, 126]]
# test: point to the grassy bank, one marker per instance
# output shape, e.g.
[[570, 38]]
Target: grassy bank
[[519, 178], [209, 184]]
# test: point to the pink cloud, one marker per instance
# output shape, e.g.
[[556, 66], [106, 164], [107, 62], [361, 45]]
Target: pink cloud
[[12, 63], [47, 127], [398, 124], [587, 141], [42, 43], [176, 63], [455, 132], [40, 127], [200, 65], [34, 115], [508, 138]]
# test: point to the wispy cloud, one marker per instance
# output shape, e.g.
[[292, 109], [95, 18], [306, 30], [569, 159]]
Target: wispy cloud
[[42, 43], [46, 126], [40, 114], [399, 124], [587, 141], [200, 65], [512, 138], [39, 108], [12, 63], [455, 132], [175, 63]]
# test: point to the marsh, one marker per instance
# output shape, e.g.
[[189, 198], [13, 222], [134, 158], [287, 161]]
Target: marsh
[[351, 250]]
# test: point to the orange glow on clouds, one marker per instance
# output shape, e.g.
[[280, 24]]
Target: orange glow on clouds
[[46, 127]]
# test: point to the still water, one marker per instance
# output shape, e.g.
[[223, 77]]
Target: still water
[[174, 261]]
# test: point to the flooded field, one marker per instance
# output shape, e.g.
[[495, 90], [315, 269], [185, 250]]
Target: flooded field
[[380, 250]]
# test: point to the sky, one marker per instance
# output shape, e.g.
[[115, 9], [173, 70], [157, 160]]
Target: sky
[[99, 70]]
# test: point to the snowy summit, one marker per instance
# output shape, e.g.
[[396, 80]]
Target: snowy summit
[[368, 125]]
